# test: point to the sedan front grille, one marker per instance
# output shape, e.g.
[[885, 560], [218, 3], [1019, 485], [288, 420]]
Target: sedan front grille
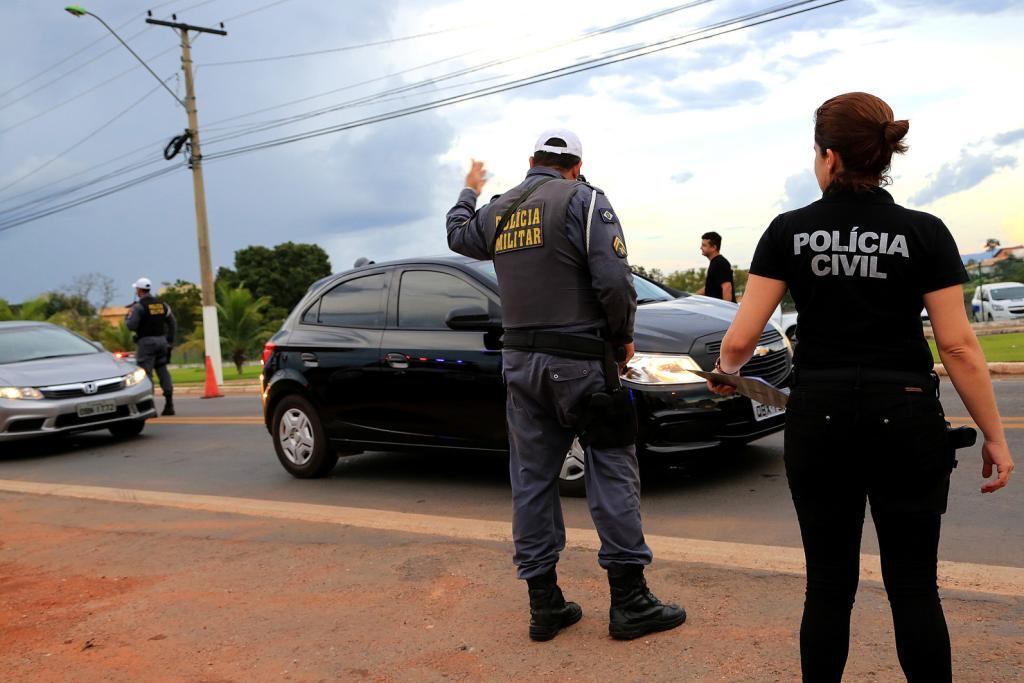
[[773, 367], [103, 386]]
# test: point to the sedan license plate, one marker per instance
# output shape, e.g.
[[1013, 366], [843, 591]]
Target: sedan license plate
[[763, 412], [98, 408]]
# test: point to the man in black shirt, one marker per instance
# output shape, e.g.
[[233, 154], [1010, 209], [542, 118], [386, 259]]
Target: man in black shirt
[[718, 283]]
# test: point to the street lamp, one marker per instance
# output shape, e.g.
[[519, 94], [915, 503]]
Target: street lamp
[[79, 11], [211, 331]]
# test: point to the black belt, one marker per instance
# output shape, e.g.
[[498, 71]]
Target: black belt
[[567, 345], [556, 343], [858, 376]]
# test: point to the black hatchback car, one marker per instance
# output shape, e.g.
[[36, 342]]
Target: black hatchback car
[[407, 355]]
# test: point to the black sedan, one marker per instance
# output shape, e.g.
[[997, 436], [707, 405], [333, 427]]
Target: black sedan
[[407, 355]]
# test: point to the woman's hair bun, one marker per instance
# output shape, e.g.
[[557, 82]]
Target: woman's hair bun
[[895, 131]]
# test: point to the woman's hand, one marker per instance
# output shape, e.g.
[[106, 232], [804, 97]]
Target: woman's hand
[[721, 389], [996, 454]]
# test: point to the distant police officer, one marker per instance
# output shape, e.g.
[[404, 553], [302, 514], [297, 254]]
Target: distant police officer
[[153, 324], [567, 307], [864, 423]]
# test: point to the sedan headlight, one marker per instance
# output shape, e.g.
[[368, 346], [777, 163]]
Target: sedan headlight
[[21, 393], [997, 307], [656, 368], [134, 378]]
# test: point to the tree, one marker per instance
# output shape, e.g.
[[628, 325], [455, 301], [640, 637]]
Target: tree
[[243, 329], [33, 309], [118, 338], [991, 243], [5, 311], [687, 280], [653, 274], [185, 301], [282, 274], [96, 288]]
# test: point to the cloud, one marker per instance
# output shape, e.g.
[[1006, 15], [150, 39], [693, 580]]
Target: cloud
[[801, 189], [1009, 137], [716, 97], [793, 66], [962, 174], [957, 6], [682, 177]]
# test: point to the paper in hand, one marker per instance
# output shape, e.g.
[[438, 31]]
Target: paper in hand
[[752, 387]]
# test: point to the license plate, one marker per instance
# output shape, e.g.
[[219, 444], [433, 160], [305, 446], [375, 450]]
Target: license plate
[[763, 412], [98, 408]]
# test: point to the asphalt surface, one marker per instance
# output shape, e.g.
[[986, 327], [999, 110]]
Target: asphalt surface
[[740, 496]]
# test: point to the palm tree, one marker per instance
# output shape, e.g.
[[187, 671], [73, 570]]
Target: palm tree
[[242, 326], [118, 338]]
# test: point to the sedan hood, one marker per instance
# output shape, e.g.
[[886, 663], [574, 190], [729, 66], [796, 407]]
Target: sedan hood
[[65, 370], [673, 326]]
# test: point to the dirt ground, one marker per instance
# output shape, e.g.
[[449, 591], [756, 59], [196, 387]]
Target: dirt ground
[[95, 591]]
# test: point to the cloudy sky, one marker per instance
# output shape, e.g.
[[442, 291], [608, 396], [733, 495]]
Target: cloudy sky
[[714, 133]]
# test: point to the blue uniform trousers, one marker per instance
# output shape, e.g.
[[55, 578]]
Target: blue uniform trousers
[[544, 393]]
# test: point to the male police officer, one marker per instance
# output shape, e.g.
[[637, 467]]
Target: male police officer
[[153, 324], [567, 306]]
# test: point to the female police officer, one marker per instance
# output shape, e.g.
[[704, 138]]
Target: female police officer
[[864, 421]]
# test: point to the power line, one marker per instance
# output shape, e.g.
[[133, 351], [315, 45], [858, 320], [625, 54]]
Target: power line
[[88, 137], [344, 48], [80, 51], [727, 26], [254, 11], [21, 220], [83, 93], [461, 72], [588, 65]]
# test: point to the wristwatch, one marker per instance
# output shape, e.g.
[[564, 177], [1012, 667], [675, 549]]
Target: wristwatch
[[718, 368]]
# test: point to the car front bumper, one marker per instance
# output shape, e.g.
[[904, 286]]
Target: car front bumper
[[688, 419], [23, 419]]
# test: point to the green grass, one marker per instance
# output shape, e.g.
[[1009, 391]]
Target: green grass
[[198, 375], [998, 348]]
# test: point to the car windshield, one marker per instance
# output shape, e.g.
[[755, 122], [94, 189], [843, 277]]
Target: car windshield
[[1004, 293], [33, 343], [646, 291]]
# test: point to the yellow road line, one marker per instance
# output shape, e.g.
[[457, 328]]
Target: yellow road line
[[965, 576], [207, 420]]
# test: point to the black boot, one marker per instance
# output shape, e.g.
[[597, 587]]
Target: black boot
[[549, 612], [635, 611], [168, 406]]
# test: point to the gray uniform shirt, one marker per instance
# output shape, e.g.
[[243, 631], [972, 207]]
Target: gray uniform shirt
[[593, 227], [134, 319]]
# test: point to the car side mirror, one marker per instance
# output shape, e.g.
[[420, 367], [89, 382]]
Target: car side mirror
[[470, 318], [98, 345]]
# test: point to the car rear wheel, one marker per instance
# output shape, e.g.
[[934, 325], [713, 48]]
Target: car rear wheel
[[571, 480], [300, 439], [128, 429]]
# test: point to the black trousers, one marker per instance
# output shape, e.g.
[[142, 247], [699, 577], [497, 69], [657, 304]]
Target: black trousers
[[847, 444]]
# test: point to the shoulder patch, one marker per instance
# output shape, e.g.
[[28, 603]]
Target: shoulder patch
[[607, 215], [618, 246]]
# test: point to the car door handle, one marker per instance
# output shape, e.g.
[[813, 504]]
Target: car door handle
[[310, 360], [398, 361]]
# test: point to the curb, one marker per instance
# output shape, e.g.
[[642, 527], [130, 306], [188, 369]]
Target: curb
[[226, 389]]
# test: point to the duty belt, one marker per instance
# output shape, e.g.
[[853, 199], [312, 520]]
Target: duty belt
[[556, 343]]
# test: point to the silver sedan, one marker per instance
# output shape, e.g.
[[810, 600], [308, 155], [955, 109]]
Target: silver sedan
[[52, 381]]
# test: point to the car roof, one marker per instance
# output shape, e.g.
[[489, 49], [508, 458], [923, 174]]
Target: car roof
[[11, 324], [1003, 285]]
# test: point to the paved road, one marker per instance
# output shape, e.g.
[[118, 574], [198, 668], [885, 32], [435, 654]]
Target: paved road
[[739, 498]]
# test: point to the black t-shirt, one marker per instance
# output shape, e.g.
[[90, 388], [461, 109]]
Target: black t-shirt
[[858, 266], [719, 272]]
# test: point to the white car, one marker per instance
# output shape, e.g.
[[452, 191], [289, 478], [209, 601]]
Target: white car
[[998, 301]]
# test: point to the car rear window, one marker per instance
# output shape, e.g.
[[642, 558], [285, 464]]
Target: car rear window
[[34, 343], [355, 303], [426, 297]]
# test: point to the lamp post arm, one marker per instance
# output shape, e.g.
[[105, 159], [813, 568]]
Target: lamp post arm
[[141, 61]]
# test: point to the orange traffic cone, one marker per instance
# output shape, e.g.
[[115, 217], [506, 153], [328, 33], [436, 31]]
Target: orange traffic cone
[[211, 390]]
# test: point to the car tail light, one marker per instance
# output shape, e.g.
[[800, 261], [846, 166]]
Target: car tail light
[[268, 349]]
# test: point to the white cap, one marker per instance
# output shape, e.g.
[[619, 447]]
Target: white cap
[[143, 283], [572, 143]]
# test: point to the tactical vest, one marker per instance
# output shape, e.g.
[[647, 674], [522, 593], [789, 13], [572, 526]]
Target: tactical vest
[[543, 279], [154, 318]]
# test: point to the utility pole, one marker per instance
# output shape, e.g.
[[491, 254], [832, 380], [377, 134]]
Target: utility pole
[[211, 328]]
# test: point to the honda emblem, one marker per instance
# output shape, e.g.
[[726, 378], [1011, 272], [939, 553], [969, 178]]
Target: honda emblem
[[89, 388]]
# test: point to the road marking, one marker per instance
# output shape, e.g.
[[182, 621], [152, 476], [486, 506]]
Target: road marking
[[963, 576], [208, 420]]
